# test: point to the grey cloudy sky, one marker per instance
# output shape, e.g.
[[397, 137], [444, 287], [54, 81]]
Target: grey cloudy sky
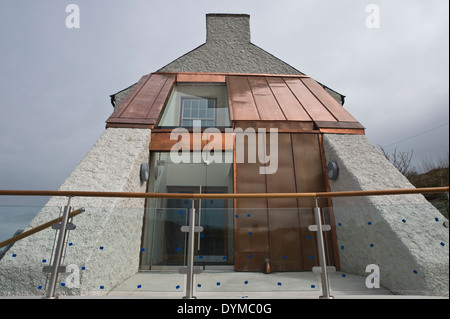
[[55, 82]]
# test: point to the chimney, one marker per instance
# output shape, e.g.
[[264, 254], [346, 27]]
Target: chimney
[[230, 28]]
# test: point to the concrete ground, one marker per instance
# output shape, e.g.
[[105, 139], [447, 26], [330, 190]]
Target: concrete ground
[[212, 284]]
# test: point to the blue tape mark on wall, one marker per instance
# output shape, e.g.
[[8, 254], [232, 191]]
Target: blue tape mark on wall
[[248, 215], [218, 283], [102, 287], [177, 287], [199, 285], [83, 268], [142, 249], [44, 260], [63, 284], [404, 220], [250, 256], [246, 282], [311, 257], [101, 247], [442, 244], [369, 223], [250, 233], [339, 224], [313, 286], [14, 255], [344, 275], [237, 216], [371, 245], [415, 271], [39, 287], [436, 219], [279, 284], [139, 286], [308, 237], [180, 212], [342, 246], [284, 257]]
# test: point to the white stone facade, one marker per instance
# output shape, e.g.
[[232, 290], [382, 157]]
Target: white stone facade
[[104, 248], [402, 234]]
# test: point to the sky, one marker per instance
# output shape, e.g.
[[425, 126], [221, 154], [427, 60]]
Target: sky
[[55, 81]]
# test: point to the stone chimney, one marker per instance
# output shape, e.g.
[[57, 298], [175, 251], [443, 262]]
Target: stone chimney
[[230, 28]]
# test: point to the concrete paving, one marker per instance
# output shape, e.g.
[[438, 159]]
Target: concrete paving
[[212, 284]]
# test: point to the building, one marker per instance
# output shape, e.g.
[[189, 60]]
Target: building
[[242, 121]]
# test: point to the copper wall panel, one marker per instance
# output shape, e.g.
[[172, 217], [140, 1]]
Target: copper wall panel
[[309, 102], [241, 99], [204, 78], [289, 104], [327, 100], [284, 235], [309, 178], [160, 141], [251, 223], [266, 103]]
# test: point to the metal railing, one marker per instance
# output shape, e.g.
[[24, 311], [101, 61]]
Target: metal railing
[[63, 223]]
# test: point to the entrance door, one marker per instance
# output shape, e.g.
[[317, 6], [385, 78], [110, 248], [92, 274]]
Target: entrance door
[[164, 244]]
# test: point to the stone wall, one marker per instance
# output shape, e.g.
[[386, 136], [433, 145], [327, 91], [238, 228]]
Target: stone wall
[[104, 248], [402, 234]]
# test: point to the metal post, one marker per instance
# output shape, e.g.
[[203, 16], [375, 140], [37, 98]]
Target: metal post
[[322, 260], [56, 268], [190, 255]]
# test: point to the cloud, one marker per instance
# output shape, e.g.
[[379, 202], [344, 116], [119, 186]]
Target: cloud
[[55, 82]]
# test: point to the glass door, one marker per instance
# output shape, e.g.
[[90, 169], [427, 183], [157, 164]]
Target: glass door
[[163, 242]]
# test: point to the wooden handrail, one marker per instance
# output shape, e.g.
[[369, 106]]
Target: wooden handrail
[[231, 196], [197, 196], [38, 228]]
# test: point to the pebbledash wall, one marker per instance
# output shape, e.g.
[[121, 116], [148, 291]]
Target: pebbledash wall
[[404, 235], [104, 248]]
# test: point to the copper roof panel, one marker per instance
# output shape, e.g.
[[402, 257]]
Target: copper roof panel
[[143, 105], [331, 104], [241, 99], [310, 103], [265, 101], [291, 107]]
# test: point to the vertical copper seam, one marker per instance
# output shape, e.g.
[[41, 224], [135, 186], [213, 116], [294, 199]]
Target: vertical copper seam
[[235, 224], [135, 94], [295, 96], [229, 96], [337, 262], [319, 100], [269, 253], [254, 101], [298, 206], [275, 97]]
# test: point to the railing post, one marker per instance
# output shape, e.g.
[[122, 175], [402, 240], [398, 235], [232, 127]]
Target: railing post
[[322, 260], [191, 270], [56, 267]]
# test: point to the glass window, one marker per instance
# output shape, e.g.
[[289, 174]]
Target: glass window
[[206, 102]]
